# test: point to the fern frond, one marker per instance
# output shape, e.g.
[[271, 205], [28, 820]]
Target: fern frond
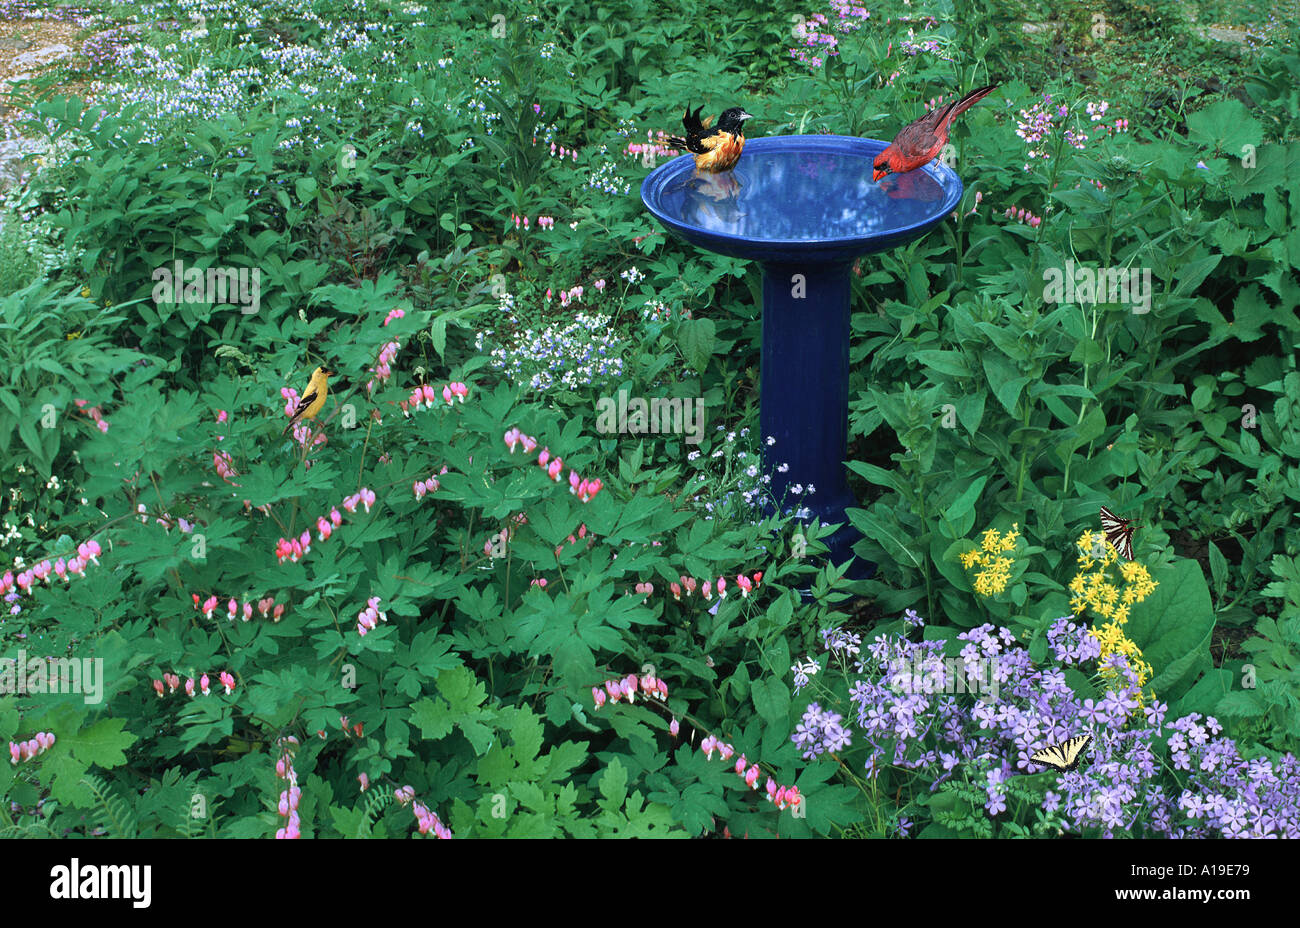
[[114, 815], [380, 798]]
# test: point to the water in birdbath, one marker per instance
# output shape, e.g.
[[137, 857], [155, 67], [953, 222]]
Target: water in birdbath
[[800, 198], [784, 197]]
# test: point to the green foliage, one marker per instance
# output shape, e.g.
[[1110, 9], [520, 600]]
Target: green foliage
[[975, 402], [1267, 703]]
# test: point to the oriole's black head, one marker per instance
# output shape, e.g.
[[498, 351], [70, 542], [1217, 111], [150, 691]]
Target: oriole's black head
[[733, 120]]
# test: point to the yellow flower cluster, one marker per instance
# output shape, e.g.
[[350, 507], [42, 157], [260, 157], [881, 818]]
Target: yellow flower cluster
[[995, 567], [1092, 589]]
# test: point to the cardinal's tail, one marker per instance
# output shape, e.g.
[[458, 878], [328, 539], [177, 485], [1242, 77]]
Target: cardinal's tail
[[966, 102]]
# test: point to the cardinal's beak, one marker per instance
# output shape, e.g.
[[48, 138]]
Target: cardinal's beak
[[877, 173]]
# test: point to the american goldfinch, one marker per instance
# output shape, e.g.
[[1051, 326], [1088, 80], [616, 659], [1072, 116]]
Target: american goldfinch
[[313, 398]]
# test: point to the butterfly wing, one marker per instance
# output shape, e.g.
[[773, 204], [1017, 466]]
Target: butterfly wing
[[1073, 749], [1123, 543], [1050, 756], [1119, 532], [1064, 756]]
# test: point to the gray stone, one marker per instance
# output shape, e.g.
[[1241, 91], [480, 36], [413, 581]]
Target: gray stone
[[1225, 35], [13, 169], [42, 56]]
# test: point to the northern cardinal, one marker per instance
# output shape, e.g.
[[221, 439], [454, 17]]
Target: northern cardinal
[[920, 142], [716, 149]]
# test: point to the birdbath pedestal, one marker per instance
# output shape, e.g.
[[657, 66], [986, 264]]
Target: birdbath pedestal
[[805, 207]]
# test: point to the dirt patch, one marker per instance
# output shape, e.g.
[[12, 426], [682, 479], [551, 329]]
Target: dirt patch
[[26, 37], [1225, 644]]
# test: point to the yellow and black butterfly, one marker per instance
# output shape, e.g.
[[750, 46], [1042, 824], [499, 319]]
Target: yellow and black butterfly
[[1119, 532], [1064, 756]]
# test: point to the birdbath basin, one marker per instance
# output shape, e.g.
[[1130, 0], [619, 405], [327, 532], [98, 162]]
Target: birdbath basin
[[804, 206]]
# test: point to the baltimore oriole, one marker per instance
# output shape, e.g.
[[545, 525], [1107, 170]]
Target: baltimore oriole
[[920, 142], [715, 149]]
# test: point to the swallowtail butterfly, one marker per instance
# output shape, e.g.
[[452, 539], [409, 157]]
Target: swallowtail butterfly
[[1119, 532], [1063, 756]]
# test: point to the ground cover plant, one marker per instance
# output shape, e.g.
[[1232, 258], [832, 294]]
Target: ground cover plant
[[466, 600]]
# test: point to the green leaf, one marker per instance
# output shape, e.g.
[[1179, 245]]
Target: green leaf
[[613, 786], [1172, 627], [951, 363], [438, 334], [1205, 696], [771, 699], [966, 501], [103, 744], [1005, 379], [696, 339], [1218, 570], [1225, 126], [1241, 704]]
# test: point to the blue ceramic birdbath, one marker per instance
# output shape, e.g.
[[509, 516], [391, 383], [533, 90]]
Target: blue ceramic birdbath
[[804, 206]]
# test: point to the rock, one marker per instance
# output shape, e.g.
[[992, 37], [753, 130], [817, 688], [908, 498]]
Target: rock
[[13, 169], [42, 56], [15, 42], [1225, 35]]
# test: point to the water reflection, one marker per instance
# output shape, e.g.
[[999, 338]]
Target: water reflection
[[710, 200], [806, 195]]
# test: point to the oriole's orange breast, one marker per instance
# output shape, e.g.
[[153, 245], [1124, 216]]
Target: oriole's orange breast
[[724, 155]]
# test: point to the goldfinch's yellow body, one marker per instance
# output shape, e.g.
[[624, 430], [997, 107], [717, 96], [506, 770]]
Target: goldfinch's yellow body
[[313, 397]]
